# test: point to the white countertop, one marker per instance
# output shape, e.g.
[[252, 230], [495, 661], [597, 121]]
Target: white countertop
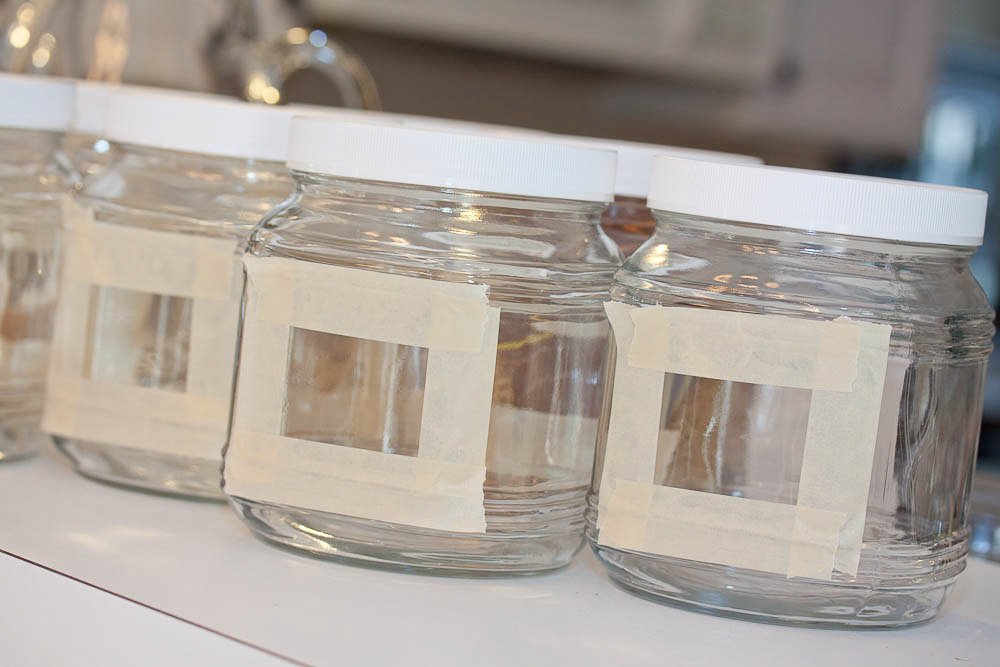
[[246, 602]]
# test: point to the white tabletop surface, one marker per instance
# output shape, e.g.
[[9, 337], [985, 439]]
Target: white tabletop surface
[[195, 561]]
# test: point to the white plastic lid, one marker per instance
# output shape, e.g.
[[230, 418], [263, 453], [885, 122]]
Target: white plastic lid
[[35, 102], [535, 167], [419, 122], [819, 201], [197, 123], [635, 160], [90, 106]]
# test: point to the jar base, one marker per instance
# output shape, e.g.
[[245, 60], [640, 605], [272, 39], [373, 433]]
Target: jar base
[[758, 596], [21, 436], [390, 546], [143, 470]]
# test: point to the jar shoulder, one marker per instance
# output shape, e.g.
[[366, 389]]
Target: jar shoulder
[[454, 243], [197, 196], [928, 300]]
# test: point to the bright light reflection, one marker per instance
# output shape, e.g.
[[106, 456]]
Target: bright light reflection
[[19, 37], [270, 95], [659, 254], [471, 214], [317, 38], [297, 35]]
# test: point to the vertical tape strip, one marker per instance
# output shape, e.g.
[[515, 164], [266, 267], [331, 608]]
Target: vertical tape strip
[[843, 361], [206, 270], [441, 488]]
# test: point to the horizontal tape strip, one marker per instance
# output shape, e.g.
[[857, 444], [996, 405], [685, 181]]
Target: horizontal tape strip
[[746, 347], [356, 482], [143, 260], [712, 528], [426, 313], [139, 417]]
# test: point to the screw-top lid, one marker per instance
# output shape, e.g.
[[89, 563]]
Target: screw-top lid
[[486, 162], [635, 160], [35, 102], [197, 123], [819, 201], [90, 106], [418, 122]]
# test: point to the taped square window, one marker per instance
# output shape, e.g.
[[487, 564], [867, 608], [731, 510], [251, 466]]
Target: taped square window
[[114, 277], [354, 392], [442, 486], [138, 338], [732, 438], [842, 362]]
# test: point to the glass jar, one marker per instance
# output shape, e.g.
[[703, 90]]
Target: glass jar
[[797, 396], [140, 382], [628, 221], [33, 116], [423, 350]]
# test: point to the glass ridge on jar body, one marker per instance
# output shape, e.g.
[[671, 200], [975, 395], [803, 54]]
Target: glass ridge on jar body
[[546, 265], [35, 113], [140, 390], [744, 440]]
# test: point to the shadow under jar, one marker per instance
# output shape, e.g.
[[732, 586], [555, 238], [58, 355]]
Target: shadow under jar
[[797, 396], [423, 350], [34, 114], [141, 376]]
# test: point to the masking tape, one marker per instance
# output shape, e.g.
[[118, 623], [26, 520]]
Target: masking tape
[[447, 317], [407, 490], [206, 270], [138, 417], [184, 265], [839, 449], [442, 487], [712, 528], [840, 445], [714, 344]]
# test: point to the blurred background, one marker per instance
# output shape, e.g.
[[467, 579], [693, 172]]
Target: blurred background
[[899, 88]]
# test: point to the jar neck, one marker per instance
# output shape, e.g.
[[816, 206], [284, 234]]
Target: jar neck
[[462, 210], [762, 239], [200, 166]]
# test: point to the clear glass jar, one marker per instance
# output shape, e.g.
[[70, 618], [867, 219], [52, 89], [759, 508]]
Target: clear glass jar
[[140, 384], [740, 472], [34, 115], [357, 437]]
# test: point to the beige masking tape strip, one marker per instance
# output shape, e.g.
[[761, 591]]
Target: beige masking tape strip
[[840, 445], [407, 490], [743, 347], [840, 439], [206, 270], [783, 539], [442, 487], [340, 300], [454, 427], [212, 349], [139, 417], [636, 404], [175, 264]]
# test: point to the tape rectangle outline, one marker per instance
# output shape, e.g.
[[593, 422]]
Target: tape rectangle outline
[[456, 375], [631, 457], [172, 422]]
